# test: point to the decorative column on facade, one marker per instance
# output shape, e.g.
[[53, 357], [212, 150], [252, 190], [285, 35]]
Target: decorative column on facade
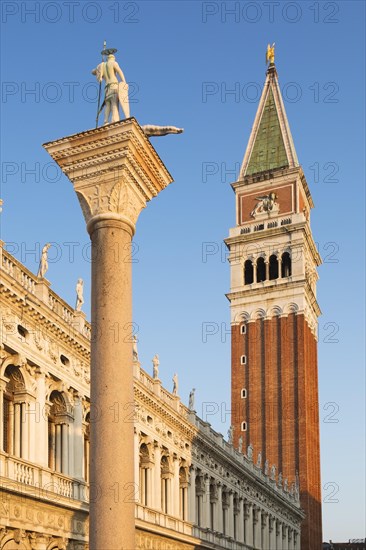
[[65, 448], [240, 521], [290, 539], [279, 545], [24, 411], [58, 464], [41, 454], [192, 495], [248, 523], [206, 503], [265, 531], [175, 487], [230, 515], [115, 172], [218, 509], [17, 417], [34, 412], [136, 475], [156, 477], [257, 523], [285, 537], [78, 438], [3, 382], [272, 532]]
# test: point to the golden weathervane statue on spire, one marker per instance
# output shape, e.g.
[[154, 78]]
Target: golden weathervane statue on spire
[[270, 54]]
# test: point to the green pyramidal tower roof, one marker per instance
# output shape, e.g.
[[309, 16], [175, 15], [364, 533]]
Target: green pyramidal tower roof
[[270, 144]]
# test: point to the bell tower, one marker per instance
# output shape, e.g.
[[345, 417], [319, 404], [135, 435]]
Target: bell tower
[[274, 310]]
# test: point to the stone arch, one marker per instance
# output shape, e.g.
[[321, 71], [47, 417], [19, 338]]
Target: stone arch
[[258, 314], [274, 311], [291, 308], [15, 541]]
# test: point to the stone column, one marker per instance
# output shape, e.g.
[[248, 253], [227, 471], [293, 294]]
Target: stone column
[[265, 531], [2, 389], [136, 475], [11, 428], [157, 478], [192, 495], [206, 503], [272, 533], [278, 535], [17, 407], [218, 509], [41, 451], [248, 528], [58, 465], [78, 436], [175, 482], [256, 527], [230, 515], [240, 521], [65, 448], [284, 537], [115, 171], [24, 408], [34, 413]]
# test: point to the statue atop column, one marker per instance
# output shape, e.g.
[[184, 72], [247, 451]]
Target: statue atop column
[[240, 448], [43, 264], [116, 92], [79, 294]]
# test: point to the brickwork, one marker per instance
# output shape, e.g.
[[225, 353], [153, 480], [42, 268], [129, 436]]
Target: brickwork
[[281, 407]]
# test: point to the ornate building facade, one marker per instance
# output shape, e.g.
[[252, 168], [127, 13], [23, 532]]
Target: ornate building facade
[[274, 309], [192, 489]]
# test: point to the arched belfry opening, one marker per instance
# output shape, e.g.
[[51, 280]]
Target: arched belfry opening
[[248, 272], [286, 268]]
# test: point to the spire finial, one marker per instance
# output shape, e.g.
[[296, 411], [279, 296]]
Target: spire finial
[[270, 54]]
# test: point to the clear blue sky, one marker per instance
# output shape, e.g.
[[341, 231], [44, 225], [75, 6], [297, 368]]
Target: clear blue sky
[[173, 53]]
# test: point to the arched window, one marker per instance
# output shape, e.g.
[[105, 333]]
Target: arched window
[[86, 447], [183, 493], [145, 475], [15, 430], [273, 267], [58, 434], [248, 272], [261, 270], [286, 265]]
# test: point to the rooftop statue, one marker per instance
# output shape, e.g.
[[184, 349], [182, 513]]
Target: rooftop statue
[[79, 294], [43, 264]]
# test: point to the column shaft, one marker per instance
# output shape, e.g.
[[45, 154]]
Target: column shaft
[[192, 496], [157, 479], [17, 429], [24, 429], [65, 448], [58, 465], [112, 397]]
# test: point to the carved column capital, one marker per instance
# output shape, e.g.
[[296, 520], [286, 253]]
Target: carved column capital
[[114, 169]]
